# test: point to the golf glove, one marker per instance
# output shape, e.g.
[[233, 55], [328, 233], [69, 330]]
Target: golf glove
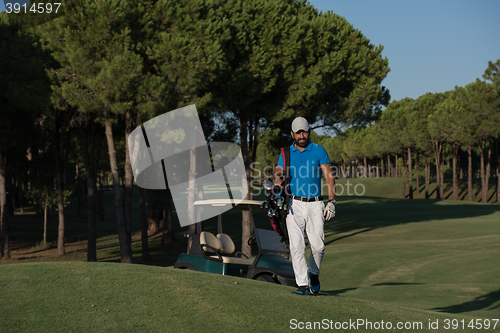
[[329, 211]]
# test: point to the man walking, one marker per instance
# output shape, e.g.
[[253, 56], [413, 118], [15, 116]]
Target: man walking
[[307, 212]]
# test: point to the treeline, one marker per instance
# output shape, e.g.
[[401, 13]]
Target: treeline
[[72, 90], [426, 133]]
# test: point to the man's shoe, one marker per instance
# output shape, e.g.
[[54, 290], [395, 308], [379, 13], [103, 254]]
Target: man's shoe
[[314, 281], [303, 290]]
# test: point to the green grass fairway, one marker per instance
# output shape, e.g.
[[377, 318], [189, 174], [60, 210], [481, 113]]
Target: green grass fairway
[[431, 255], [386, 259], [107, 297]]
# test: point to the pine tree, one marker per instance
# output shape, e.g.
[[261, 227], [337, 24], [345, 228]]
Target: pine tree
[[101, 75], [24, 93], [394, 123], [492, 74], [481, 101]]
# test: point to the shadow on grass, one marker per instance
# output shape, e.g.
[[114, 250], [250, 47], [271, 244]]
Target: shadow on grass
[[489, 301], [334, 292], [349, 235], [462, 189], [396, 284], [357, 215]]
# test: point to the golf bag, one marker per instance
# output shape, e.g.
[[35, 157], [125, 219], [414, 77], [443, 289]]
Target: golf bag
[[277, 200]]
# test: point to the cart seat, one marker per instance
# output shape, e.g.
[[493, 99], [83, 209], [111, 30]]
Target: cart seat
[[209, 243], [227, 244], [222, 244]]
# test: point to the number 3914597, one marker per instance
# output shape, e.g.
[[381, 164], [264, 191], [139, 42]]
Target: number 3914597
[[38, 8]]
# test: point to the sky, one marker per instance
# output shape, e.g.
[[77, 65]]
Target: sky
[[431, 45]]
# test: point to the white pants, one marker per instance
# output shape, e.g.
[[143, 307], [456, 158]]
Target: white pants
[[306, 217]]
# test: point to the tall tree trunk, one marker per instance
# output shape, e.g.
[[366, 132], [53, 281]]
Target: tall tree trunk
[[455, 171], [252, 153], [88, 159], [45, 208], [101, 193], [200, 195], [382, 167], [129, 181], [144, 225], [459, 168], [427, 175], [95, 153], [80, 189], [484, 190], [14, 194], [125, 243], [485, 171], [389, 166], [4, 219], [155, 210], [164, 223], [191, 198], [21, 199], [143, 215], [66, 159], [410, 174], [437, 155], [403, 192], [469, 175], [417, 166], [396, 171], [498, 172], [60, 192], [170, 218], [246, 218], [11, 194], [441, 170], [488, 170]]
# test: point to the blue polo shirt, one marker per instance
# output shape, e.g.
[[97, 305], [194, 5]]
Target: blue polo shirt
[[305, 169]]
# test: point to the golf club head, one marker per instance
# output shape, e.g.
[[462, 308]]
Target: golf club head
[[268, 185]]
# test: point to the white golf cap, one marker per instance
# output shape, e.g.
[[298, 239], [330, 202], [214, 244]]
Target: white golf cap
[[300, 123]]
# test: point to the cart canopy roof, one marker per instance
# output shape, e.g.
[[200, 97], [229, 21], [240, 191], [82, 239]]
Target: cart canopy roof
[[225, 203]]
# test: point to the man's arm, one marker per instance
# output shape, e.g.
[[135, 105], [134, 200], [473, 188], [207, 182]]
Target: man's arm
[[330, 181]]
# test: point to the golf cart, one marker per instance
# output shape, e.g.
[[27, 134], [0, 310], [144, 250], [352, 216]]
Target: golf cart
[[216, 254]]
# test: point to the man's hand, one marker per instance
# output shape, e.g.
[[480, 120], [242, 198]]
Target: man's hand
[[277, 174], [329, 211]]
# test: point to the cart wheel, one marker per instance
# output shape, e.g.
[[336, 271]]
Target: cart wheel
[[185, 265], [188, 268], [265, 278]]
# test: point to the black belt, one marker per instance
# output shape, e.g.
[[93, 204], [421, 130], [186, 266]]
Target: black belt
[[320, 198]]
